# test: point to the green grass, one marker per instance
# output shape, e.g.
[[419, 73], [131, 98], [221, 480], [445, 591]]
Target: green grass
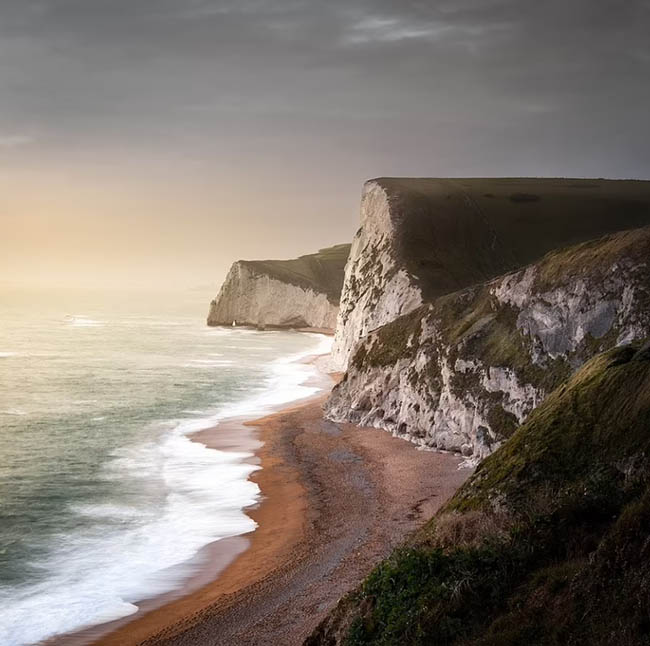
[[392, 342], [573, 434], [454, 233], [322, 271]]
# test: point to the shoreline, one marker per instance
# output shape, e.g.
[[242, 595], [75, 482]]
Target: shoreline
[[314, 538], [237, 433], [233, 562], [325, 331]]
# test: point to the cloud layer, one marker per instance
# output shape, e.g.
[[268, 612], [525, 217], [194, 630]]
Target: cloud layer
[[308, 98]]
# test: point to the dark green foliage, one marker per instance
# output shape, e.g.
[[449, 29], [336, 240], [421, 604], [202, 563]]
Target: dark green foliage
[[397, 340], [422, 596]]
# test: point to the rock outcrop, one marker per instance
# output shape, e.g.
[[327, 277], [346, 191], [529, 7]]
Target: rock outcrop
[[303, 292], [463, 372], [422, 238]]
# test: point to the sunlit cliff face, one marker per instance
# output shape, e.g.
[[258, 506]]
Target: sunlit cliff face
[[160, 140]]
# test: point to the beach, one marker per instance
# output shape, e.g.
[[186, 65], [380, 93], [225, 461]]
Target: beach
[[335, 499]]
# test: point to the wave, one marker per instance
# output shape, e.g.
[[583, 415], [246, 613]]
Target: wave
[[207, 363], [130, 549], [286, 383], [133, 552], [15, 411], [78, 320]]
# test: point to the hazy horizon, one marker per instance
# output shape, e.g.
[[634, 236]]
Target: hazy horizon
[[152, 144]]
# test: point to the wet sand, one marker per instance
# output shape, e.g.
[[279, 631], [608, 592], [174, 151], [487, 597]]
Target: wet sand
[[336, 499]]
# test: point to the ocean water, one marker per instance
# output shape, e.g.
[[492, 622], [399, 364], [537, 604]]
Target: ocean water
[[103, 497]]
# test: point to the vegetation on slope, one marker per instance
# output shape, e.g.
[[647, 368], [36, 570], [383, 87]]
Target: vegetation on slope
[[548, 542], [453, 233], [322, 271]]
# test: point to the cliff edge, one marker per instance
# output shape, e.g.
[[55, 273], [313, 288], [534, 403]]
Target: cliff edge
[[302, 292], [466, 302], [423, 238]]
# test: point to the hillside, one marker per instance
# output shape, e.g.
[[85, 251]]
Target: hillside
[[301, 292], [423, 238], [546, 544]]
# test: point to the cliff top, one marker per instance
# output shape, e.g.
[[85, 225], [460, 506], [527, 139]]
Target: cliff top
[[322, 271], [453, 233]]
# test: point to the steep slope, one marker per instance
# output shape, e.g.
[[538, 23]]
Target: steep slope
[[302, 292], [422, 238], [463, 372], [546, 544]]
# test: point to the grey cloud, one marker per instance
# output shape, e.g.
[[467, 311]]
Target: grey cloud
[[14, 141], [565, 85]]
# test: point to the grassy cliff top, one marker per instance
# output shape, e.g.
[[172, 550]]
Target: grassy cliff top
[[453, 233], [546, 544], [322, 271]]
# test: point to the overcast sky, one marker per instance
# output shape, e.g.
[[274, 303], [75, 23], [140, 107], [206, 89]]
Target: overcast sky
[[156, 141]]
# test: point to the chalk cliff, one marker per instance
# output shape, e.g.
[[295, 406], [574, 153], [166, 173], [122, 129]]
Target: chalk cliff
[[463, 372], [454, 325], [422, 238], [303, 292]]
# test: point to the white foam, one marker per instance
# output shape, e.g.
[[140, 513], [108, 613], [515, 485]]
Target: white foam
[[15, 411], [79, 320], [110, 512], [99, 573], [208, 363], [285, 384], [126, 553]]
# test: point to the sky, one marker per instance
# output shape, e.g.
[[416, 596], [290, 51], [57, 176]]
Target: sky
[[150, 143]]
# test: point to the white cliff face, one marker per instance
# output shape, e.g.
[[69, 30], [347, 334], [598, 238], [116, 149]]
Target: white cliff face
[[559, 320], [462, 373], [376, 290], [402, 398], [517, 399], [251, 298]]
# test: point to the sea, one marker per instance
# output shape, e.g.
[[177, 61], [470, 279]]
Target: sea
[[104, 498]]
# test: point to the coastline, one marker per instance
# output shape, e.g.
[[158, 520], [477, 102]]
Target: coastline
[[236, 433], [232, 563], [332, 504]]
